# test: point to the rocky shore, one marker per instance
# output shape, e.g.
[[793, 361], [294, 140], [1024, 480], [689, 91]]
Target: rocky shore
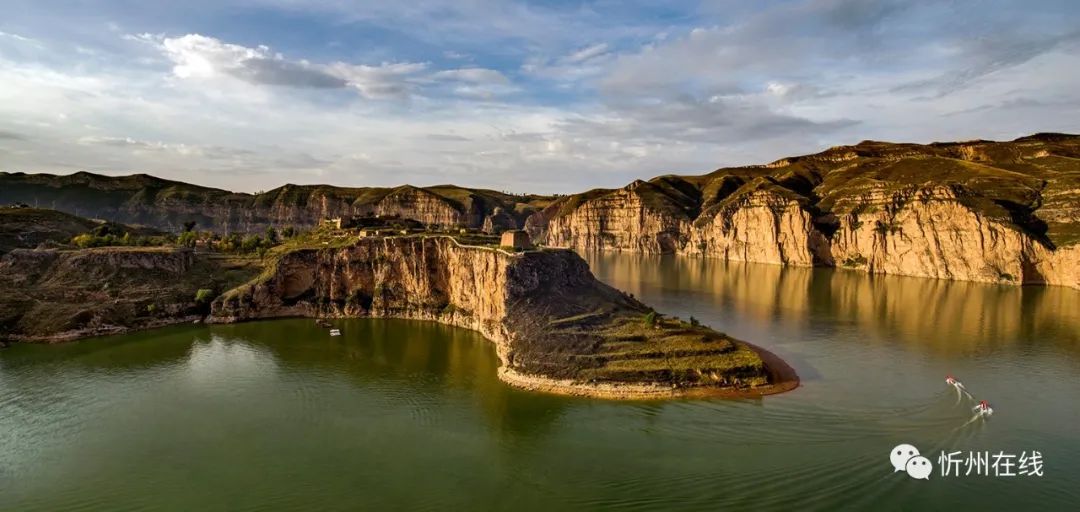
[[555, 327]]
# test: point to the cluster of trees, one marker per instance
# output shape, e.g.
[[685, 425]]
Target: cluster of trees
[[110, 235], [247, 244]]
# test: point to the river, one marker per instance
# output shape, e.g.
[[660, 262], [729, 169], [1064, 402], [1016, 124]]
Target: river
[[404, 415]]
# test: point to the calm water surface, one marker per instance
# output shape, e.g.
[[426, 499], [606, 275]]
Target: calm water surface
[[399, 415]]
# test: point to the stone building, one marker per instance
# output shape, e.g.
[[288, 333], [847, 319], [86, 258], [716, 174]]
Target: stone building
[[517, 239]]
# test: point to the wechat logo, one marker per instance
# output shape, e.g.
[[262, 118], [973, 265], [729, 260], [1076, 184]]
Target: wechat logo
[[905, 457]]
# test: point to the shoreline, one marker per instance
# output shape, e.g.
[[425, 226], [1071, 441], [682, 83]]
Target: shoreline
[[781, 374], [98, 332]]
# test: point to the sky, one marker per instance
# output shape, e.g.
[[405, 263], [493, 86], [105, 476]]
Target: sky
[[544, 97]]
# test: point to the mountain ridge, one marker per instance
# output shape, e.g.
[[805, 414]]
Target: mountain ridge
[[979, 210]]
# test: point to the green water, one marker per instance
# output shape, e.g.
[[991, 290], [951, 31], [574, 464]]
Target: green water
[[399, 415]]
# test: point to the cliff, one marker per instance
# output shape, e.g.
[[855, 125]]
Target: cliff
[[555, 327], [1006, 212], [56, 295], [1002, 212], [146, 200]]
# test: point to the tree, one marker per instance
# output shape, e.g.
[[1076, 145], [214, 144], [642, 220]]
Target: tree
[[187, 239], [271, 235], [288, 232], [251, 243], [84, 240], [189, 226], [233, 242]]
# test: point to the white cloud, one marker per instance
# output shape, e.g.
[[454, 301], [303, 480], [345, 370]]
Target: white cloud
[[538, 98], [16, 37], [195, 56], [473, 75], [587, 53]]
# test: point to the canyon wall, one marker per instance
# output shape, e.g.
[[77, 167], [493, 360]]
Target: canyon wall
[[163, 204], [555, 327], [979, 211], [502, 295], [54, 295], [1002, 212]]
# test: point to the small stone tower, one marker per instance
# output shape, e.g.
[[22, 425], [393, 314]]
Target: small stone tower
[[517, 239]]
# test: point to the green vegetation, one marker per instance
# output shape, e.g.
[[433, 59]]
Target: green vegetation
[[203, 296], [649, 319]]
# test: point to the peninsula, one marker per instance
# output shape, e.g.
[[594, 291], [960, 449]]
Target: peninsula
[[554, 326]]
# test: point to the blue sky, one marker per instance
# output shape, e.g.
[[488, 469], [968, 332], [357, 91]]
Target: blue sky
[[554, 96]]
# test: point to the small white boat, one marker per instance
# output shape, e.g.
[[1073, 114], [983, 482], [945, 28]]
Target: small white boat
[[335, 332]]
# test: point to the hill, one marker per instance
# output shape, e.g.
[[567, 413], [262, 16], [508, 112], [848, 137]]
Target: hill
[[164, 204], [977, 210]]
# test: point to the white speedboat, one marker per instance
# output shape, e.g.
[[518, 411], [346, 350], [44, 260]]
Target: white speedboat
[[335, 332]]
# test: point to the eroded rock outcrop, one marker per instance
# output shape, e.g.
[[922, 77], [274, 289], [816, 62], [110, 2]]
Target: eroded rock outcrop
[[1006, 212], [498, 221], [639, 217], [146, 200], [56, 295], [555, 327]]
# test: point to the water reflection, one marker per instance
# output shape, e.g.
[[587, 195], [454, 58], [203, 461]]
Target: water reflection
[[937, 315]]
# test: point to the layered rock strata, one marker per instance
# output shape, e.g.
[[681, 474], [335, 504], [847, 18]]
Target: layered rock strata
[[1001, 212], [555, 327]]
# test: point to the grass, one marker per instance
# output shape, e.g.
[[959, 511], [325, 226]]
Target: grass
[[614, 343]]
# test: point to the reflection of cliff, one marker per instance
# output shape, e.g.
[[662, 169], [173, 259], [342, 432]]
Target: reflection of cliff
[[426, 362], [946, 316], [999, 212]]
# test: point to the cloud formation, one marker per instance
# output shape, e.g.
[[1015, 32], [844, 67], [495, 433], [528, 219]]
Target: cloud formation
[[513, 94]]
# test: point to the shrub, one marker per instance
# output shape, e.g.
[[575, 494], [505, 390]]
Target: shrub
[[694, 321], [204, 296], [187, 239], [649, 319]]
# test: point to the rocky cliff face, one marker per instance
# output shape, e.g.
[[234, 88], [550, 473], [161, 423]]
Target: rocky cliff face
[[163, 204], [53, 295], [547, 314], [639, 217], [980, 211], [428, 278], [499, 221]]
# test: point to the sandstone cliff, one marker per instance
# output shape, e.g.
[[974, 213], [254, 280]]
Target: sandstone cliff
[[547, 315], [1005, 212], [163, 204]]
